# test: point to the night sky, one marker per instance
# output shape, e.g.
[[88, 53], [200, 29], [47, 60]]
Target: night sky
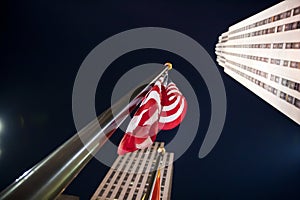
[[43, 44]]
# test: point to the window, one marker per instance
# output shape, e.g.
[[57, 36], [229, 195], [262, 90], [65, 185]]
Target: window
[[297, 11], [285, 63], [295, 65], [272, 30], [295, 45], [294, 25], [288, 45], [275, 61], [270, 19], [287, 14], [291, 84], [282, 95], [118, 194], [284, 82], [272, 78], [134, 196], [277, 45], [270, 88], [297, 103], [288, 27], [101, 192], [279, 28], [290, 99]]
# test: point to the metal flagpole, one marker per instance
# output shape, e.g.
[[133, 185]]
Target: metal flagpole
[[50, 177], [148, 195]]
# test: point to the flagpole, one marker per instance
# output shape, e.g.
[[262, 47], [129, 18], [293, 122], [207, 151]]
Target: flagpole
[[50, 177], [149, 193]]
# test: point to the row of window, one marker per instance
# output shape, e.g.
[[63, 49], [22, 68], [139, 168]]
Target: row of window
[[285, 63], [286, 27], [289, 45], [290, 99], [283, 15], [250, 69], [285, 82], [258, 58], [132, 157], [264, 46]]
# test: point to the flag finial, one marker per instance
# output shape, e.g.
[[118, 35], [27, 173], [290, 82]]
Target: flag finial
[[161, 150], [169, 65]]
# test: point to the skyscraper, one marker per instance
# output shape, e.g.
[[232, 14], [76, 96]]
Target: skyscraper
[[262, 53], [130, 175]]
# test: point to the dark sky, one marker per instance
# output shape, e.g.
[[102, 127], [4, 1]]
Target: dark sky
[[43, 44]]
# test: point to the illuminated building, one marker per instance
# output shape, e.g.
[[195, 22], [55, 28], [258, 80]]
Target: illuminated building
[[130, 175], [262, 53]]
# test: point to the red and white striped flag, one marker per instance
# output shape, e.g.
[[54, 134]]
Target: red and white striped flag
[[143, 127], [174, 108], [162, 109]]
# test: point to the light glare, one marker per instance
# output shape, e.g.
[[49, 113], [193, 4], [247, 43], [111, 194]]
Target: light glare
[[1, 126]]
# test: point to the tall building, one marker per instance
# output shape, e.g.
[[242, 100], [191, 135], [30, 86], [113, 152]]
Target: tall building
[[130, 175], [262, 53]]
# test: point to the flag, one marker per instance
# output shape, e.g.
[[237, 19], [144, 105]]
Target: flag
[[143, 127], [161, 109], [174, 108]]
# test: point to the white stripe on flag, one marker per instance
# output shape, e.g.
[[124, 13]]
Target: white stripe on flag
[[173, 117], [173, 105], [144, 144]]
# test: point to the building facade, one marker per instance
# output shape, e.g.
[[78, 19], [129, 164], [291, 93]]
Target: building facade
[[262, 53], [130, 176]]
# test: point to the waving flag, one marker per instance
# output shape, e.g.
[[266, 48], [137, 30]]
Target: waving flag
[[143, 127], [162, 109], [174, 108]]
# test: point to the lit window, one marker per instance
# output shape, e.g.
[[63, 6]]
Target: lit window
[[282, 95], [285, 63], [294, 25], [288, 27], [288, 45], [295, 65], [295, 45], [290, 99], [297, 87], [297, 103], [284, 82], [272, 30], [292, 84], [287, 14], [277, 46], [279, 28], [297, 11]]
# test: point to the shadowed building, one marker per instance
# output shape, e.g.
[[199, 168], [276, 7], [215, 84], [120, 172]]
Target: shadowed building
[[262, 53], [130, 175]]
